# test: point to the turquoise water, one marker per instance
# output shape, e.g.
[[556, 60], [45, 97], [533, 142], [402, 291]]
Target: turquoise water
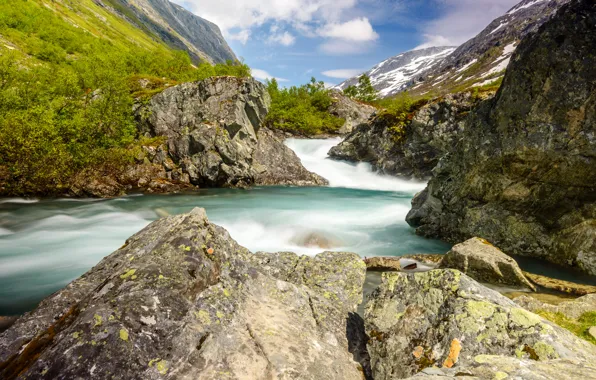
[[45, 244]]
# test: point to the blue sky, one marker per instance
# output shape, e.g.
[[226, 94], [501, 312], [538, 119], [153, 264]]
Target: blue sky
[[332, 40]]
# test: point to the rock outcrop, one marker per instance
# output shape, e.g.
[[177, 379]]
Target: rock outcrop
[[431, 134], [484, 262], [444, 323], [353, 112], [214, 135], [523, 174], [182, 300]]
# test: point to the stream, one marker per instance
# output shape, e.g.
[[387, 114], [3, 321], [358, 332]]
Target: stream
[[45, 244]]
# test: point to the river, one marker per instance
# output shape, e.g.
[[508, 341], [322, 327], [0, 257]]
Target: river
[[45, 244]]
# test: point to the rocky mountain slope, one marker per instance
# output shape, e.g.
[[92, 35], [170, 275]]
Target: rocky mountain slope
[[523, 173], [175, 26], [396, 73], [414, 150], [483, 59]]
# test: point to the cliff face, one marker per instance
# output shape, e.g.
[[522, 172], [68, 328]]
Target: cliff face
[[175, 26], [431, 134], [523, 174]]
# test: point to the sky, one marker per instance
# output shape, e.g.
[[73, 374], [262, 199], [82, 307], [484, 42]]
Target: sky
[[332, 40]]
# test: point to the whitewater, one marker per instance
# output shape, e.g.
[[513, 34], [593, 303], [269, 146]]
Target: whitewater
[[45, 244]]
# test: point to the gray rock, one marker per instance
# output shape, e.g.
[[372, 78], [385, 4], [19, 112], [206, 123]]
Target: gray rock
[[484, 262], [431, 134], [592, 331], [523, 173], [214, 135], [445, 319], [572, 309], [353, 112], [181, 299]]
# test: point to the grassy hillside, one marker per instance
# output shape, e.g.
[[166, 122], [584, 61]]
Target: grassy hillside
[[68, 75]]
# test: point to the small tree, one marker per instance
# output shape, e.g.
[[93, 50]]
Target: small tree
[[364, 91]]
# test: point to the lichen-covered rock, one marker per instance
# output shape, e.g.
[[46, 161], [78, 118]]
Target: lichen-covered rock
[[484, 262], [523, 174], [572, 309], [444, 319], [182, 300], [353, 112], [214, 135], [430, 135]]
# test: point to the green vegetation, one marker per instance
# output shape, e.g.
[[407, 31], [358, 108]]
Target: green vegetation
[[364, 91], [66, 96], [399, 111], [578, 327], [302, 110]]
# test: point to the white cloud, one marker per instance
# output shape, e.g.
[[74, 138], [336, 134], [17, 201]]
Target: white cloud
[[336, 21], [264, 75], [462, 20], [342, 47], [285, 39], [358, 29], [241, 36], [342, 73]]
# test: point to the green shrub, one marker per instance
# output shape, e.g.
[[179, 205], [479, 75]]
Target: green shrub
[[398, 113], [364, 91], [303, 110]]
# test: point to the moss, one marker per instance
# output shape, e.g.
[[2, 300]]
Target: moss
[[128, 274], [203, 316], [500, 375], [162, 367], [545, 351], [98, 320], [579, 327], [480, 309], [124, 335]]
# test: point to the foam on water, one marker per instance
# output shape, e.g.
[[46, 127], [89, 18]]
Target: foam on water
[[314, 156]]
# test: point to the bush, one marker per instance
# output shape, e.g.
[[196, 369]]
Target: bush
[[364, 91], [398, 113], [303, 110]]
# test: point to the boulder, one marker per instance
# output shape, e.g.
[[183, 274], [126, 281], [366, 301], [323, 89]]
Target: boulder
[[214, 135], [572, 309], [398, 263], [354, 113], [562, 286], [445, 319], [182, 300], [430, 135], [486, 263], [523, 173]]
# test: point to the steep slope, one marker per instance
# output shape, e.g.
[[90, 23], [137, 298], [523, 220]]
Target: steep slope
[[175, 26], [523, 173], [396, 73], [483, 59]]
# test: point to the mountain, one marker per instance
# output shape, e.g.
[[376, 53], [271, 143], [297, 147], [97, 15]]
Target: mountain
[[396, 73], [480, 61], [483, 59], [175, 26]]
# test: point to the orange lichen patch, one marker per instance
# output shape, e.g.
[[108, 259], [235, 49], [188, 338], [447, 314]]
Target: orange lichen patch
[[210, 251], [418, 352], [454, 351]]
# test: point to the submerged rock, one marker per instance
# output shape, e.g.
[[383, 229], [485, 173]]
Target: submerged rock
[[314, 239], [484, 262], [181, 299], [523, 173], [444, 319], [560, 285]]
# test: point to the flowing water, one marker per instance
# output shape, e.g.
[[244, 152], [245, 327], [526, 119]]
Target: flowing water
[[45, 244]]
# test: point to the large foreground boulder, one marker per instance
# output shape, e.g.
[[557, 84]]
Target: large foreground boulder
[[484, 262], [182, 300], [431, 134], [444, 322], [523, 174], [214, 135]]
